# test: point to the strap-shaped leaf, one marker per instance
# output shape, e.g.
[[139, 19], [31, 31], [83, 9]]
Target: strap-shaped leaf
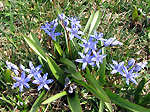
[[98, 94], [95, 22], [74, 103], [35, 47], [58, 48], [135, 15], [102, 74], [72, 68], [34, 38], [56, 70], [101, 106], [126, 104], [91, 79], [68, 62], [89, 22], [55, 97], [139, 90], [38, 102]]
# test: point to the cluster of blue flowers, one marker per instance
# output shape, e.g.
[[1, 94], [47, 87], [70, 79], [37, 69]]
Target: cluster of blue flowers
[[92, 53], [22, 79], [64, 20], [129, 71]]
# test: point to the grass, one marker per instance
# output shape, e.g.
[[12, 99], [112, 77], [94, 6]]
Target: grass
[[23, 17]]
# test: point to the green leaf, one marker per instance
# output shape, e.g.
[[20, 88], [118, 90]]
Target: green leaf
[[149, 35], [7, 76], [145, 101], [139, 90], [101, 106], [89, 22], [58, 48], [38, 102], [98, 94], [94, 83], [72, 68], [102, 75], [55, 97], [35, 47], [91, 79], [75, 73], [74, 103], [126, 104], [95, 22], [109, 106], [68, 62], [135, 15], [34, 38], [56, 70]]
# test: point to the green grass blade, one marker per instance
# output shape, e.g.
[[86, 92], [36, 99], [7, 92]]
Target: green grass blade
[[74, 103], [55, 97], [35, 47], [56, 70], [38, 102], [126, 104]]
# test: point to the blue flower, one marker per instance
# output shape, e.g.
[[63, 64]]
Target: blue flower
[[71, 88], [117, 67], [75, 22], [61, 16], [88, 44], [74, 32], [140, 66], [85, 59], [67, 81], [98, 58], [98, 36], [23, 68], [129, 75], [66, 22], [116, 42], [34, 71], [13, 67], [112, 42], [50, 28], [131, 63], [42, 81], [52, 34], [22, 81], [108, 42]]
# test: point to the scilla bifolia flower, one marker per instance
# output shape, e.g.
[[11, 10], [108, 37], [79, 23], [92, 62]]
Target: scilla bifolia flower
[[42, 81], [21, 81], [86, 59], [129, 75]]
